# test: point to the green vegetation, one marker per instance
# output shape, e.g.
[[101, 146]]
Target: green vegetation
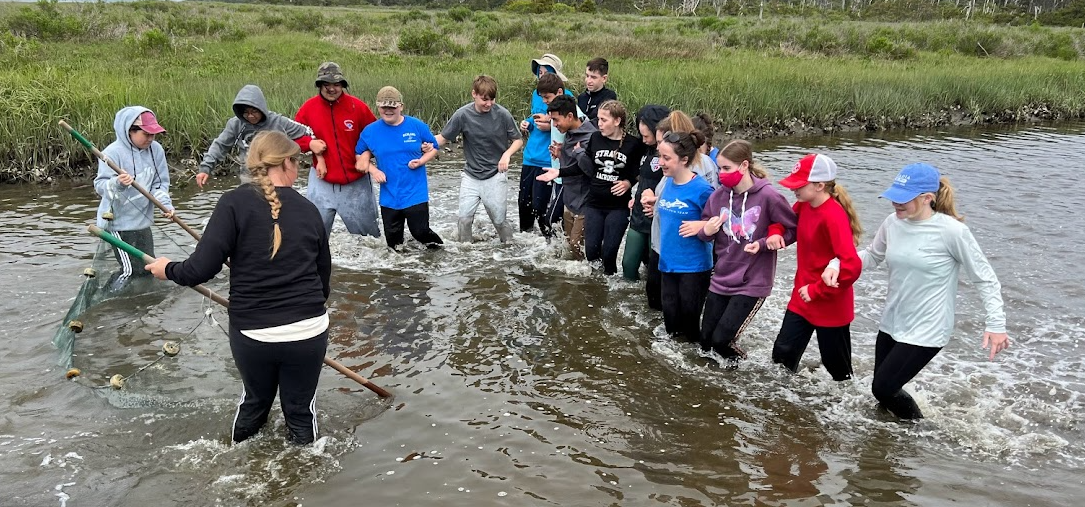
[[82, 62]]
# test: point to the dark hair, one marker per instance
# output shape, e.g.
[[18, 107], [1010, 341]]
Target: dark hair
[[600, 65], [704, 123], [685, 144], [549, 83], [563, 105]]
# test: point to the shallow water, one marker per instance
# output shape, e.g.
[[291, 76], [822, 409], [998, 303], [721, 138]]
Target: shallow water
[[523, 379]]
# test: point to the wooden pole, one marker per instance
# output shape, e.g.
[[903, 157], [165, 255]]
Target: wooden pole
[[117, 242]]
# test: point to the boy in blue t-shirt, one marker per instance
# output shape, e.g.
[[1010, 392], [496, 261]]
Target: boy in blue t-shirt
[[396, 142]]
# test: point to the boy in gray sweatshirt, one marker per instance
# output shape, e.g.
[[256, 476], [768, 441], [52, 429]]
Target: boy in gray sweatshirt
[[251, 115]]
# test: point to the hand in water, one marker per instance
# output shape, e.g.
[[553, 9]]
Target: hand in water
[[996, 341]]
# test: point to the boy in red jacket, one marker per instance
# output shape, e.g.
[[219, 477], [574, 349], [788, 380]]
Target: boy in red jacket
[[338, 118]]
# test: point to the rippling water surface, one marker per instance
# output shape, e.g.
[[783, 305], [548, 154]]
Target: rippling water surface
[[523, 379]]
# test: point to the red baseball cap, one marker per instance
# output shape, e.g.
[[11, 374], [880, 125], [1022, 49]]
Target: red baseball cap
[[811, 169], [148, 123]]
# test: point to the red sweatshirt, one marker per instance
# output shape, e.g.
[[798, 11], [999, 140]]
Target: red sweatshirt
[[339, 124], [824, 233]]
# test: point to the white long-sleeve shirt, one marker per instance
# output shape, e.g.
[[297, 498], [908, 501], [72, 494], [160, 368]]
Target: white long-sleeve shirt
[[924, 260]]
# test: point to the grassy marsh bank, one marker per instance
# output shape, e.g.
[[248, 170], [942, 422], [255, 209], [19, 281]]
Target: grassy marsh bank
[[773, 77]]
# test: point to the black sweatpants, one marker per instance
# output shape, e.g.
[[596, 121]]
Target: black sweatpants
[[725, 317], [603, 233], [653, 281], [682, 296], [130, 264], [533, 199], [834, 343], [895, 364], [292, 368], [417, 218]]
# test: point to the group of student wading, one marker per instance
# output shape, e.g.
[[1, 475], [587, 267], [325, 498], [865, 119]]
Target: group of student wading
[[706, 221]]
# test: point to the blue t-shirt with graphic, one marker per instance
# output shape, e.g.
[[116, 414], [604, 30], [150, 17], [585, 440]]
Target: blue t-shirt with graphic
[[676, 204], [394, 147]]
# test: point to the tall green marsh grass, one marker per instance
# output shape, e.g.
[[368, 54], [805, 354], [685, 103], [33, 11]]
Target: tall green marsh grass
[[187, 60]]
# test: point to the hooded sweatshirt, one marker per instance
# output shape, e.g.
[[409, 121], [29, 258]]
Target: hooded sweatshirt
[[339, 124], [746, 217], [131, 210], [239, 132], [650, 175], [574, 180]]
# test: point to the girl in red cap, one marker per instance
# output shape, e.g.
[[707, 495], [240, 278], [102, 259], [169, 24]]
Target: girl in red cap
[[828, 228]]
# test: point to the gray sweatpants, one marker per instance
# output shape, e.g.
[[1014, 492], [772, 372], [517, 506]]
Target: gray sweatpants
[[355, 203], [492, 193]]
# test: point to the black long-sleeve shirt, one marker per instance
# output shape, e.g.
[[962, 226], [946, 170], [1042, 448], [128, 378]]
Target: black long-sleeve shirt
[[606, 161], [589, 102], [264, 292]]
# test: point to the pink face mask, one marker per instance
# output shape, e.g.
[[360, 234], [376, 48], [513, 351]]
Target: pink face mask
[[731, 179]]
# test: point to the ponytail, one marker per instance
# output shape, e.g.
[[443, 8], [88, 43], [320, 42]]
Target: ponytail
[[842, 197], [944, 201]]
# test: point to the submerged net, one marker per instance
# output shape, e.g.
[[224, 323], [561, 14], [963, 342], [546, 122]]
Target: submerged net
[[118, 327]]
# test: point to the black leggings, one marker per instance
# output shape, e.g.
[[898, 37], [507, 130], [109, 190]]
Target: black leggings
[[725, 317], [293, 369], [603, 232], [652, 284], [417, 218], [833, 342], [683, 295], [894, 365]]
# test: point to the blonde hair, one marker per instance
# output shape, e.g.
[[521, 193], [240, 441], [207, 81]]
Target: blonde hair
[[842, 197], [741, 150], [270, 148], [677, 121], [945, 199]]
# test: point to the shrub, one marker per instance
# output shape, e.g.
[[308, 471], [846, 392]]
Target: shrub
[[587, 6], [422, 41], [460, 13], [560, 8], [45, 22], [655, 11]]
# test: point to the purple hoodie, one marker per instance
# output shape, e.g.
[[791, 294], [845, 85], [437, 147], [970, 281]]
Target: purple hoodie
[[737, 272]]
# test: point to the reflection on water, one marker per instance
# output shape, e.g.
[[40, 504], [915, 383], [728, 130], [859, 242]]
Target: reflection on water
[[522, 379]]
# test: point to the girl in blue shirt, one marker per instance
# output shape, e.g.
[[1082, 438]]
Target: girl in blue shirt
[[685, 261]]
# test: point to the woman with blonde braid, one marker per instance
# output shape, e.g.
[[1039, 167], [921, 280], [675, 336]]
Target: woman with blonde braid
[[279, 284]]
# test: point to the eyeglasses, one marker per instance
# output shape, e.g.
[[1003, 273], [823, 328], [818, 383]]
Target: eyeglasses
[[251, 112]]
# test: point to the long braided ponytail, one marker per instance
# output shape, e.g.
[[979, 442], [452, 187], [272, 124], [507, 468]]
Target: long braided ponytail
[[270, 149]]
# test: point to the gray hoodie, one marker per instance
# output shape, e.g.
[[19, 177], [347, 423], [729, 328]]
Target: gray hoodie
[[239, 131], [131, 210], [574, 181]]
